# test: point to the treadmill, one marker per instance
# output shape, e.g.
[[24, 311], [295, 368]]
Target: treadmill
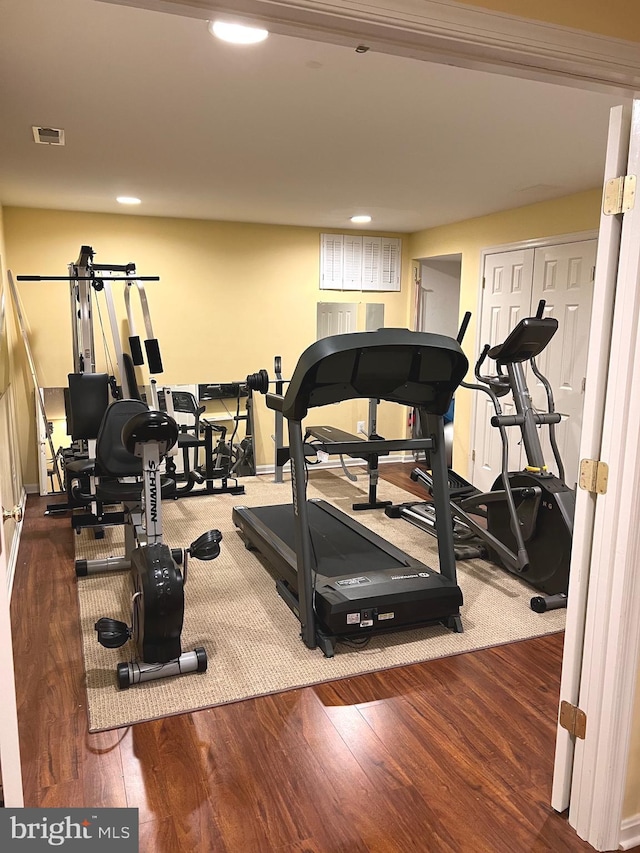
[[341, 580]]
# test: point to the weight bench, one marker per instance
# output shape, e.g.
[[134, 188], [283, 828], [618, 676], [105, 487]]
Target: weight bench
[[330, 440]]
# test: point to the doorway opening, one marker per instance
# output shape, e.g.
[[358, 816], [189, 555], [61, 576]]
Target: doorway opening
[[438, 294]]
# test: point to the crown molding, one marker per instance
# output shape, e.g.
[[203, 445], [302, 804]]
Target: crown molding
[[440, 31]]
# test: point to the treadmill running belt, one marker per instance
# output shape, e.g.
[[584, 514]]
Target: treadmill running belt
[[337, 548], [363, 584]]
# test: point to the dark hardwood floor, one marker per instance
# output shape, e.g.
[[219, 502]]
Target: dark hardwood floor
[[451, 755]]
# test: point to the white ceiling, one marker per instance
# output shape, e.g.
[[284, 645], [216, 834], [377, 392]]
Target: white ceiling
[[289, 131]]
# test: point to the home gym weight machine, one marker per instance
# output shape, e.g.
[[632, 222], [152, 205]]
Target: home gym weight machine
[[341, 580], [130, 445], [86, 279], [319, 440], [525, 523]]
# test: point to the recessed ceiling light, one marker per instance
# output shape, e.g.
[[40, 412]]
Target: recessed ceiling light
[[128, 199], [363, 218], [237, 33]]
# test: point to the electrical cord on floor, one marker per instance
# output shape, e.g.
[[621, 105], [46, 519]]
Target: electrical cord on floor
[[347, 473]]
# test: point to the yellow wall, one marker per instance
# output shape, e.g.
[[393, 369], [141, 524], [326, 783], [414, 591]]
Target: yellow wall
[[571, 214], [617, 18], [233, 295], [230, 297]]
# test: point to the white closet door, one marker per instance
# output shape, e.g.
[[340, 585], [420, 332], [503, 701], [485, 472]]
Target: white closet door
[[506, 299], [514, 283], [563, 276]]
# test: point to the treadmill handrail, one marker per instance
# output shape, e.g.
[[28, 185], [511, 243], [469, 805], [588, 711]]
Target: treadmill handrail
[[416, 369]]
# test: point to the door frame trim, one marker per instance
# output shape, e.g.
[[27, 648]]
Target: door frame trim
[[441, 31]]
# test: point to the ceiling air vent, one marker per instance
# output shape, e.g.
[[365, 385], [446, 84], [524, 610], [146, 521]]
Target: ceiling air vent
[[48, 135]]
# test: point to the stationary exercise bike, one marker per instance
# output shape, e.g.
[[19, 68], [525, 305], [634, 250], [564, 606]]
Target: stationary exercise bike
[[525, 523], [131, 443]]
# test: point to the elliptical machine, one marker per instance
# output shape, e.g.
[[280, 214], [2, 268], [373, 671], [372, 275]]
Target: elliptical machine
[[158, 581], [525, 523]]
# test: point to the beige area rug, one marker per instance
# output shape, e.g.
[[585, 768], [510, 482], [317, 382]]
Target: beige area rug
[[250, 635]]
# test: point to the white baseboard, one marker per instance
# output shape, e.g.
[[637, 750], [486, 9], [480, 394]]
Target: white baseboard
[[32, 488], [630, 832]]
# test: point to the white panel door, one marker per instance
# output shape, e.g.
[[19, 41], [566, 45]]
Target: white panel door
[[579, 642], [514, 283], [506, 299], [563, 276]]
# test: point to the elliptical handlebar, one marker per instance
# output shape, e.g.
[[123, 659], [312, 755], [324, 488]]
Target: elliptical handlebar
[[486, 380], [479, 364]]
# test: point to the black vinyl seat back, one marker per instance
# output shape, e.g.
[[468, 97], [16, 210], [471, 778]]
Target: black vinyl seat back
[[525, 341], [412, 368], [86, 402], [112, 456], [185, 402]]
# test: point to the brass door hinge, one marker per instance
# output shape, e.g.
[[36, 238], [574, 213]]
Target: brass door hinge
[[573, 720], [619, 195], [594, 476]]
